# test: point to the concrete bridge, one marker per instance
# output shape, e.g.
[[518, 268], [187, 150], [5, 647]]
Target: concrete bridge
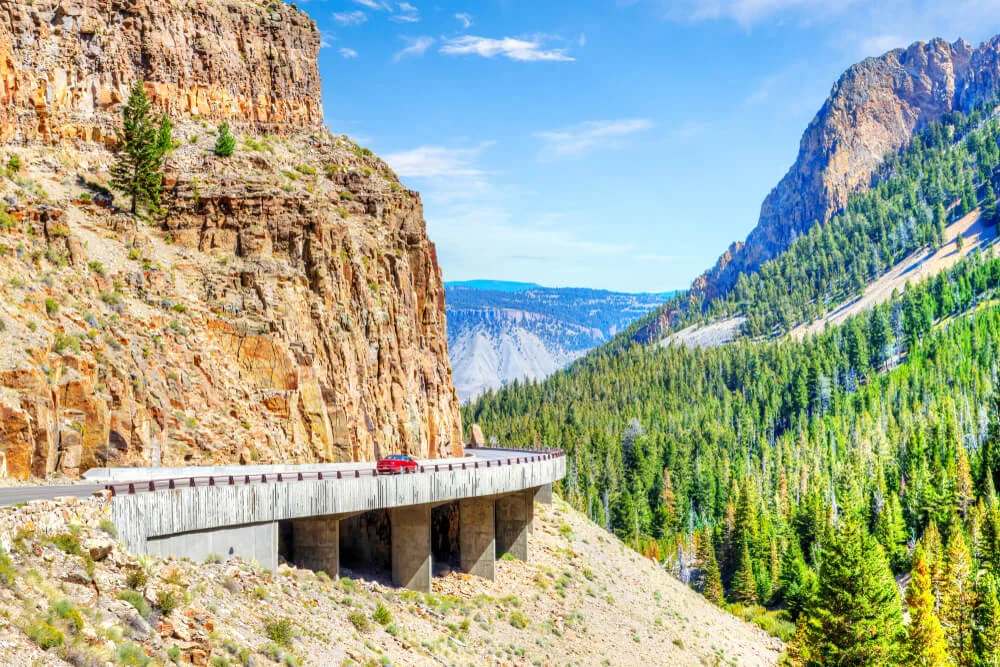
[[464, 512]]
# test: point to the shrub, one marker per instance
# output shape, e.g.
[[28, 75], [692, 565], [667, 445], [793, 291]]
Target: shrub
[[109, 528], [220, 661], [280, 631], [13, 164], [305, 169], [359, 620], [51, 306], [174, 654], [225, 144], [518, 620], [63, 341], [272, 652], [6, 570], [67, 611], [45, 636], [382, 615], [67, 543], [96, 267], [132, 655], [137, 600], [137, 579], [166, 601]]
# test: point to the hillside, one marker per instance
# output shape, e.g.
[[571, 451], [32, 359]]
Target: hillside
[[284, 305], [816, 469], [501, 332], [873, 110], [584, 598]]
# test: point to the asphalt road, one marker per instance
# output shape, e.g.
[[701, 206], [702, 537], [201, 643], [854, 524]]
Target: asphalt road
[[22, 494]]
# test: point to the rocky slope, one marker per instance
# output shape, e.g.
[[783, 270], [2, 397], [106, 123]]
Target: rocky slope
[[584, 598], [872, 110], [500, 332], [285, 306]]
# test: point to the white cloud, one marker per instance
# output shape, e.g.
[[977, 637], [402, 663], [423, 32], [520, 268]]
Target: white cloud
[[522, 50], [691, 128], [408, 14], [357, 17], [437, 161], [465, 20], [377, 5], [415, 46], [326, 39], [876, 45], [584, 137], [348, 53]]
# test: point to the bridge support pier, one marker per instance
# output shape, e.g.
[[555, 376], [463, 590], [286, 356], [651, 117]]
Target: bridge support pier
[[543, 494], [514, 515], [411, 547], [477, 536], [316, 544]]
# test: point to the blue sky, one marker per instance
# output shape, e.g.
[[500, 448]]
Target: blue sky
[[617, 144]]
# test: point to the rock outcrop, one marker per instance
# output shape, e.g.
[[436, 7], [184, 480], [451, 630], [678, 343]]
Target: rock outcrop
[[285, 306], [67, 65], [873, 110]]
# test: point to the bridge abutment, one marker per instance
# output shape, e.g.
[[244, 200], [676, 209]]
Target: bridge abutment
[[411, 547], [543, 494]]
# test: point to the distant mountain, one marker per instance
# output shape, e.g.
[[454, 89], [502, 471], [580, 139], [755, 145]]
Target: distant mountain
[[501, 331]]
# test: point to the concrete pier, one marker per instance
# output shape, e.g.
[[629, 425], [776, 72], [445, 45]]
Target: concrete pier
[[543, 494], [411, 547], [316, 544], [477, 536], [514, 515]]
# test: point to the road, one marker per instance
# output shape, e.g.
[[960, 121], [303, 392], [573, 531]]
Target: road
[[22, 494]]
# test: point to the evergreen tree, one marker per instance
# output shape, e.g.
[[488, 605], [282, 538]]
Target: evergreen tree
[[711, 579], [797, 581], [141, 145], [986, 627], [855, 617], [744, 583], [958, 597], [225, 144], [926, 645]]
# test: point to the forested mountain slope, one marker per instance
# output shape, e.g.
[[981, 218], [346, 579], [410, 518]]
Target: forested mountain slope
[[800, 474]]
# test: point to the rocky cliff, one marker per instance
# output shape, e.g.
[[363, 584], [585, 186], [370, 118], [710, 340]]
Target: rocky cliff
[[872, 110], [67, 65], [286, 305]]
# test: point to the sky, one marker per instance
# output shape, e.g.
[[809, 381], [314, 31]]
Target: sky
[[612, 144]]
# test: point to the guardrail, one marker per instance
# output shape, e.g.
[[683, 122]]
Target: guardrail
[[245, 480]]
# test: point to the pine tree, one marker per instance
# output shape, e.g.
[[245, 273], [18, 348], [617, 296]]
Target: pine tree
[[855, 616], [986, 622], [798, 582], [225, 144], [711, 586], [926, 646], [136, 172], [957, 597], [965, 494], [744, 583]]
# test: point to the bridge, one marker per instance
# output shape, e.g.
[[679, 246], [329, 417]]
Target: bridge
[[464, 512]]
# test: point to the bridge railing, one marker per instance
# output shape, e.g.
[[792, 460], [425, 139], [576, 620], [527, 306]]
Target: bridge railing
[[182, 482]]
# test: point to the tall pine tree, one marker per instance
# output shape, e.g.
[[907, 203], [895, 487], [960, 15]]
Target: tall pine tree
[[926, 645], [855, 617], [141, 146]]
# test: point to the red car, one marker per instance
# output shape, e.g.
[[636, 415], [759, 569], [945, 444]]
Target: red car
[[395, 464]]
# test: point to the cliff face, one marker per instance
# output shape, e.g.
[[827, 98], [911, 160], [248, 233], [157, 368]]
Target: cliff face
[[287, 305], [67, 65], [872, 110]]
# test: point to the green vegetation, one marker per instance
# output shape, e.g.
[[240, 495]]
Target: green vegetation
[[132, 655], [382, 615], [166, 601], [46, 636], [801, 474], [225, 143], [67, 611], [137, 600], [280, 631], [136, 579], [359, 621], [141, 147], [67, 543]]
